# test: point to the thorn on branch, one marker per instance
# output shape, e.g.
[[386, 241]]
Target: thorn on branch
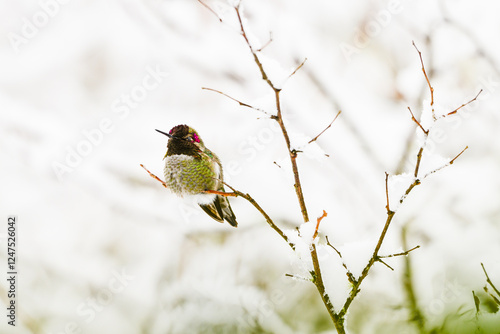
[[329, 125]]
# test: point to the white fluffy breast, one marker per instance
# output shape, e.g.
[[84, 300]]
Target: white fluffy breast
[[185, 176]]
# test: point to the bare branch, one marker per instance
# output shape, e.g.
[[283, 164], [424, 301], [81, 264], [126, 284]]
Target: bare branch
[[316, 272], [279, 119], [329, 125]]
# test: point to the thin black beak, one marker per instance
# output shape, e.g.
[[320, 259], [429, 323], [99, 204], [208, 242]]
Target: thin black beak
[[164, 133]]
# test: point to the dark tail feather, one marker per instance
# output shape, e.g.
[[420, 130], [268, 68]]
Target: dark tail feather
[[229, 215], [220, 210]]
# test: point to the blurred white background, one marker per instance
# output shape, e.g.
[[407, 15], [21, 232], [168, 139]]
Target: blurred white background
[[104, 248]]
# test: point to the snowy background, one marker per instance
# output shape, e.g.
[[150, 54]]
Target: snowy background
[[104, 248]]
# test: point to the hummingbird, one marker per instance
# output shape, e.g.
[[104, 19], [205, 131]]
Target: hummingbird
[[191, 169]]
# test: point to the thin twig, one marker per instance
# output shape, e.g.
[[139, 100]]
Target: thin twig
[[154, 176], [298, 277], [298, 68], [416, 121], [266, 216], [427, 79], [489, 281], [210, 9], [387, 206], [350, 276], [417, 164], [329, 125], [459, 154], [446, 165], [365, 144], [318, 221], [463, 105], [400, 254], [236, 100], [267, 43], [381, 261], [255, 57]]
